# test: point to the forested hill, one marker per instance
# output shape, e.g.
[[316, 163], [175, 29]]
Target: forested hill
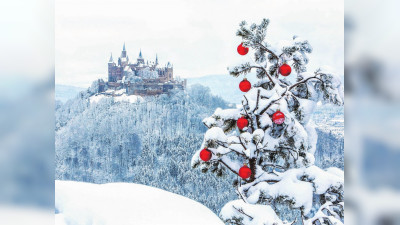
[[149, 142]]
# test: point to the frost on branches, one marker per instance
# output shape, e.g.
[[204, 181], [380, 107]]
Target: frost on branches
[[285, 187]]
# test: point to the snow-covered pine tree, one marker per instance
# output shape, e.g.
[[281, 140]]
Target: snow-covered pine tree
[[284, 187]]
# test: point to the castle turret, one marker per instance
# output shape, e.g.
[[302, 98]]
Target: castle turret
[[123, 53], [111, 66], [140, 58], [111, 59], [170, 72], [123, 60], [156, 60]]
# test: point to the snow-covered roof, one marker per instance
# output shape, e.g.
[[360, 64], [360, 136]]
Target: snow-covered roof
[[127, 68], [120, 92]]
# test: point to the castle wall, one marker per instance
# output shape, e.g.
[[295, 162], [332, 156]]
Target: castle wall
[[114, 73]]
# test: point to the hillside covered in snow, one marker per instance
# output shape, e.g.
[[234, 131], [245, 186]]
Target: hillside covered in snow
[[78, 203], [150, 142]]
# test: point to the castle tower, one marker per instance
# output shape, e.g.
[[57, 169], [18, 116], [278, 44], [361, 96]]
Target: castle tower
[[123, 53], [140, 58], [123, 60], [111, 65], [170, 72]]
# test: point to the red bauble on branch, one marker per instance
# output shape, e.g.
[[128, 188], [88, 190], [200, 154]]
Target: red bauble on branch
[[245, 172], [242, 50], [242, 122], [205, 155], [285, 70], [278, 117], [244, 85]]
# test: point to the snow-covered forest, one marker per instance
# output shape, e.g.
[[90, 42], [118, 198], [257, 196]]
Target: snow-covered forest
[[151, 142]]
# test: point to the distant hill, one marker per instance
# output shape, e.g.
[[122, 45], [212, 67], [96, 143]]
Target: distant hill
[[225, 86], [66, 92]]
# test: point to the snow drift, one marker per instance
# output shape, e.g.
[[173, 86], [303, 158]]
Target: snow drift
[[79, 203]]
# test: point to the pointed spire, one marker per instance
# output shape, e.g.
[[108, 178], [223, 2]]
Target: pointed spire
[[140, 54], [123, 48], [156, 59], [111, 59]]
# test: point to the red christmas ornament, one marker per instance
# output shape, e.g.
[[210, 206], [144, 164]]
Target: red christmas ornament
[[285, 70], [244, 85], [278, 117], [245, 172], [242, 122], [242, 50], [205, 155]]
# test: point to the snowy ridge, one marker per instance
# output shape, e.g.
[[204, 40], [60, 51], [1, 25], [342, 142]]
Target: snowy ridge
[[118, 96], [121, 98], [79, 203], [139, 143]]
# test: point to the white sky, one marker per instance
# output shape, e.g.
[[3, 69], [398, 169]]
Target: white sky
[[197, 36], [26, 41]]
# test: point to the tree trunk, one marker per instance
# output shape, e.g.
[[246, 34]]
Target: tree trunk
[[252, 163]]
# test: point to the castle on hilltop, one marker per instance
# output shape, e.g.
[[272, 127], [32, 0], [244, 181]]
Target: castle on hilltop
[[140, 77]]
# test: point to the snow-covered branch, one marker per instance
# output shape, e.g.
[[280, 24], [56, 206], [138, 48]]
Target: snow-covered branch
[[271, 137], [304, 81]]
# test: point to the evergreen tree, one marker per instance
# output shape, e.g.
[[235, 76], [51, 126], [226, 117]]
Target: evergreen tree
[[269, 141]]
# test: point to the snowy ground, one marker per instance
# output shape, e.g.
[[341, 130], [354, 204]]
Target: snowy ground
[[79, 203], [119, 98]]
